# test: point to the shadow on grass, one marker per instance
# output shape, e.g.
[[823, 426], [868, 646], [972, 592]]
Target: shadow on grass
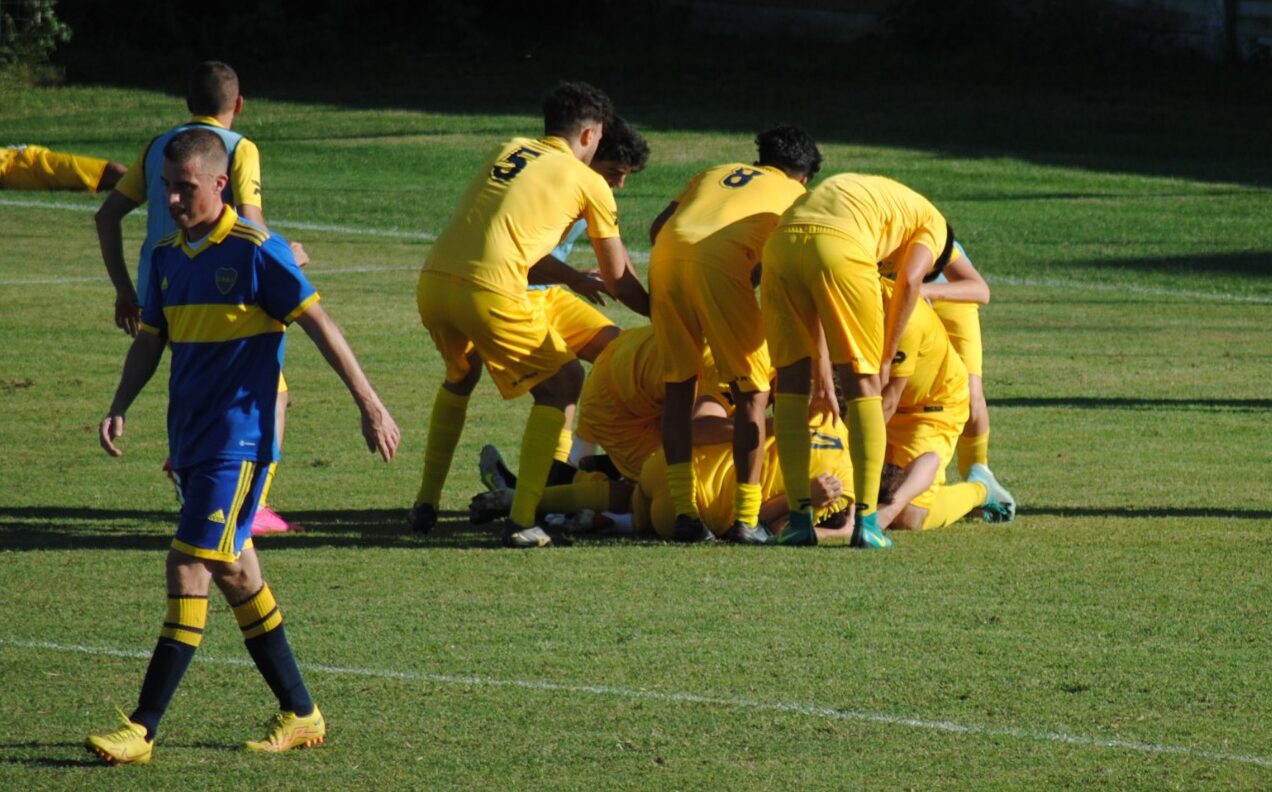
[[1160, 116], [1133, 513], [32, 528], [86, 760], [1121, 403]]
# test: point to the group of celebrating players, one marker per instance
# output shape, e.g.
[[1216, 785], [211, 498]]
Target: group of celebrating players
[[865, 375], [866, 330]]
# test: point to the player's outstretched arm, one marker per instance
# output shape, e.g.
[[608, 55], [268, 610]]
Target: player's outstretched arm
[[620, 279], [918, 262], [378, 427], [588, 285], [892, 396], [110, 238], [964, 284], [139, 366]]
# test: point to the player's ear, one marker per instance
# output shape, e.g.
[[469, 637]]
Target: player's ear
[[238, 104]]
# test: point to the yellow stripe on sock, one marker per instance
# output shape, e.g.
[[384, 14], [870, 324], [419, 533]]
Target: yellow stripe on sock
[[259, 614], [186, 619]]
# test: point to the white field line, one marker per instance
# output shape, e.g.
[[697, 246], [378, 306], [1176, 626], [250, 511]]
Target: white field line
[[391, 233], [794, 708], [642, 257]]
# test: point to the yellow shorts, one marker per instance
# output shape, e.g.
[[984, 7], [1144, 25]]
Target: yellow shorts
[[962, 323], [573, 317], [910, 435], [692, 305], [511, 334], [811, 275], [38, 168], [628, 439]]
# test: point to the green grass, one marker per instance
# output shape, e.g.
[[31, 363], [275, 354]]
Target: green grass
[[1115, 637]]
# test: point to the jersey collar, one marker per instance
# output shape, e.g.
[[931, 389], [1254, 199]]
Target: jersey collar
[[216, 236], [556, 141], [208, 120]]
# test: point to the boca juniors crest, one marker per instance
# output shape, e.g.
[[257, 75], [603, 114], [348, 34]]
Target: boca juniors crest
[[226, 277]]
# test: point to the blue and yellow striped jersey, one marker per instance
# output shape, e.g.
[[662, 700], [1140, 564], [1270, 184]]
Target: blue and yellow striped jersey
[[223, 305]]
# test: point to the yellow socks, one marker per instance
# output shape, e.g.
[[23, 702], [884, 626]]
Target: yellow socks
[[867, 444], [565, 442], [972, 451], [543, 433], [187, 617], [444, 429], [680, 480], [746, 504], [790, 418], [952, 504]]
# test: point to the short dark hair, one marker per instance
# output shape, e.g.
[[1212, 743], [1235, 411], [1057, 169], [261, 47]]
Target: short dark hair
[[789, 148], [204, 144], [622, 144], [214, 87], [571, 105]]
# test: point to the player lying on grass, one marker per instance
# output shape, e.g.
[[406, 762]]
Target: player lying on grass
[[702, 292], [39, 168], [820, 290], [653, 510], [472, 299], [214, 101], [956, 295], [221, 294], [620, 410], [926, 405]]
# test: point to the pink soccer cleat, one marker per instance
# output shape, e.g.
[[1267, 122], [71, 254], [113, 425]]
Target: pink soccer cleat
[[267, 521]]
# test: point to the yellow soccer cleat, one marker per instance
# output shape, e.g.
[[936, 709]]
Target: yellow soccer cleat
[[288, 730], [125, 745]]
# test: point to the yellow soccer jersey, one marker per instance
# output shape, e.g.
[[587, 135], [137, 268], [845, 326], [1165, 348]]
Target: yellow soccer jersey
[[245, 172], [516, 211], [936, 376], [724, 214], [883, 217]]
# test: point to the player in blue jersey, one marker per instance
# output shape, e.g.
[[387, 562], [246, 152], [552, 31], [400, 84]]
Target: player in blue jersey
[[214, 101], [221, 292]]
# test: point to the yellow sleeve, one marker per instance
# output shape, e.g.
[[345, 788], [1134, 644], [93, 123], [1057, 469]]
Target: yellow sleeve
[[133, 185], [930, 233], [599, 209], [690, 188], [245, 174]]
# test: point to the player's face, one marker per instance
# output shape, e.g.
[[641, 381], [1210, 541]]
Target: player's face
[[615, 173], [194, 192]]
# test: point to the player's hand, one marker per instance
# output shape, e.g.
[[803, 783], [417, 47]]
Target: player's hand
[[301, 256], [127, 313], [110, 430], [381, 433], [824, 490], [591, 287]]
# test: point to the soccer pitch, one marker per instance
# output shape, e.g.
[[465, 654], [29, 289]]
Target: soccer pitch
[[1116, 636]]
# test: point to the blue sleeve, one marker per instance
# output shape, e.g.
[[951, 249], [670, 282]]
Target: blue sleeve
[[562, 251], [285, 292]]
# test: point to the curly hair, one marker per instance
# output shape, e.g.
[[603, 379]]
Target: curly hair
[[571, 105], [789, 148], [622, 144]]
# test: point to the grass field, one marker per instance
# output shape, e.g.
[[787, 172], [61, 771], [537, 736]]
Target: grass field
[[1116, 636]]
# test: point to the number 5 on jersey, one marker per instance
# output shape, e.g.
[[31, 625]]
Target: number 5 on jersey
[[515, 160]]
